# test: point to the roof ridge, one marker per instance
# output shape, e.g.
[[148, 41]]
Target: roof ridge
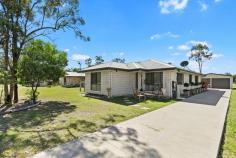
[[162, 62]]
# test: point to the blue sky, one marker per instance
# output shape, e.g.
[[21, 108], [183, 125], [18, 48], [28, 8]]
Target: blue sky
[[155, 29]]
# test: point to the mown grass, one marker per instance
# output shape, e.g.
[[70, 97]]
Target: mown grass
[[65, 116], [229, 144]]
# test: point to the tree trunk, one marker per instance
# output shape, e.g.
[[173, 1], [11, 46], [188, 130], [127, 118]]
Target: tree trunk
[[11, 90], [15, 85], [16, 99], [34, 91], [15, 56], [199, 66], [5, 91], [6, 64]]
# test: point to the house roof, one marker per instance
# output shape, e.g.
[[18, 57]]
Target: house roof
[[74, 74], [218, 74], [147, 65]]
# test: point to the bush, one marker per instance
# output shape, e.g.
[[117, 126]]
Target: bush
[[186, 85]]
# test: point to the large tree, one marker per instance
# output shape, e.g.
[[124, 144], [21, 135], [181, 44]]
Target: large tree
[[88, 62], [234, 78], [99, 60], [24, 20], [200, 53], [119, 60], [40, 62]]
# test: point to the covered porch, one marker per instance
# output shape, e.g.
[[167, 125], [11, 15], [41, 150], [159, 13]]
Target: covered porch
[[152, 84]]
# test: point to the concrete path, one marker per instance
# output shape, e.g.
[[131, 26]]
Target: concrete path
[[188, 129]]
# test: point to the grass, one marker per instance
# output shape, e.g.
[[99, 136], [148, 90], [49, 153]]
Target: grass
[[64, 116], [229, 146]]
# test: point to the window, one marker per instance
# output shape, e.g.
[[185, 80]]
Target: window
[[180, 79], [190, 78], [96, 81], [64, 80], [154, 80], [136, 80], [196, 79]]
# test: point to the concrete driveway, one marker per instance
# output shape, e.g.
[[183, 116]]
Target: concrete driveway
[[188, 129]]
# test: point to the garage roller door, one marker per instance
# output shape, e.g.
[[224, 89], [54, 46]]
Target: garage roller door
[[221, 83]]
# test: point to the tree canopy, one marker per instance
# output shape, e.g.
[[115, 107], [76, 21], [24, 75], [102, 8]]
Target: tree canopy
[[41, 62], [200, 53], [88, 62], [119, 60], [98, 60]]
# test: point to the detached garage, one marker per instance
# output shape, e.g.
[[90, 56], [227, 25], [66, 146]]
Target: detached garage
[[219, 81]]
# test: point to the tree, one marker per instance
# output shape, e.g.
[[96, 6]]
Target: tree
[[98, 60], [119, 60], [79, 63], [40, 62], [23, 21], [75, 69], [88, 62], [234, 76], [228, 73], [200, 53]]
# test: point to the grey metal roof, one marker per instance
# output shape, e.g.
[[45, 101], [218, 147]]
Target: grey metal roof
[[144, 65], [218, 74], [132, 66], [74, 74]]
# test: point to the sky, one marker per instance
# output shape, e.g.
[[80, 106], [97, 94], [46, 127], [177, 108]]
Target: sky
[[164, 30]]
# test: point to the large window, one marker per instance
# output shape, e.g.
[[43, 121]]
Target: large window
[[96, 81], [196, 79], [180, 79], [190, 78], [154, 80]]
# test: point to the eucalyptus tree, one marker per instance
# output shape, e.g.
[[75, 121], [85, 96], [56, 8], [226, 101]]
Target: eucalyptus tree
[[98, 60], [88, 62], [119, 60], [22, 21], [200, 53]]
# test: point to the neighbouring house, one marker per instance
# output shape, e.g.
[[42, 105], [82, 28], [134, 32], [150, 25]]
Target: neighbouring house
[[118, 79], [72, 79], [220, 81]]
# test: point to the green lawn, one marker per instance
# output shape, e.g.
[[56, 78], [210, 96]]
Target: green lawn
[[64, 116], [229, 146]]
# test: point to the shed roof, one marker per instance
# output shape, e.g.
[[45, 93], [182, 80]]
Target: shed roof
[[74, 74]]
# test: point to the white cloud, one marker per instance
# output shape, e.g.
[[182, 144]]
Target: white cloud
[[172, 35], [66, 50], [203, 6], [170, 6], [214, 56], [121, 53], [175, 54], [78, 57], [217, 1], [155, 37], [168, 34], [75, 47], [183, 47], [170, 47]]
